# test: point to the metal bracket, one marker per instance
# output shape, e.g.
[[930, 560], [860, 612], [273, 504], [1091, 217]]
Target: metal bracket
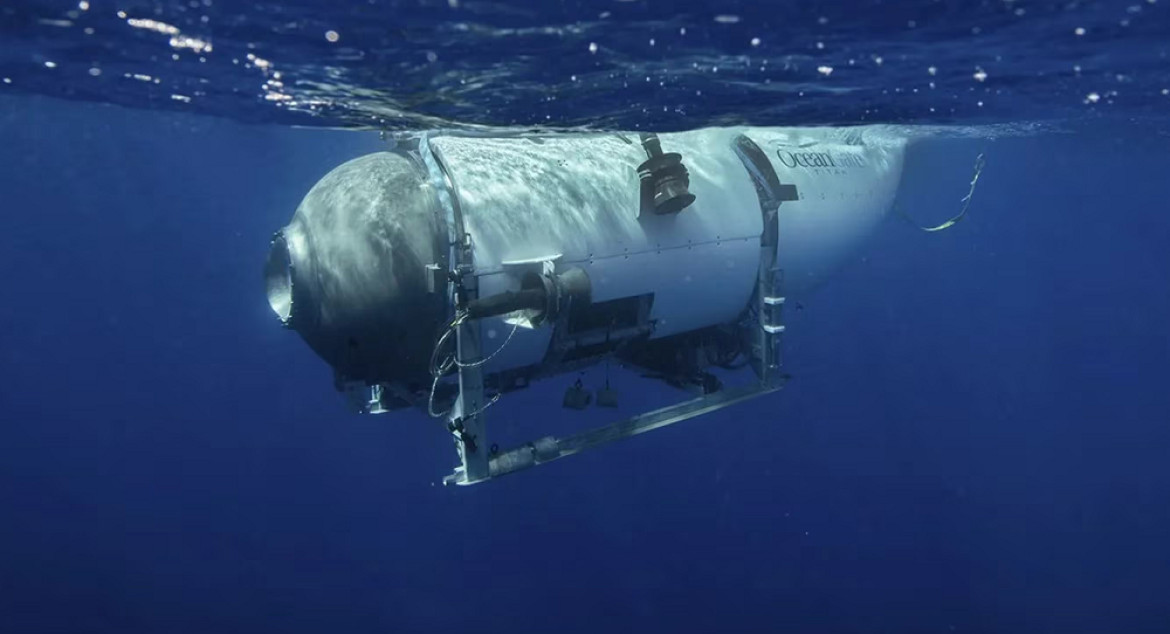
[[467, 413], [364, 399], [468, 410], [545, 264], [770, 315], [769, 299], [771, 318]]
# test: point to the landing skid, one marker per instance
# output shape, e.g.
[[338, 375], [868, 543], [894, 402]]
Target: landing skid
[[549, 448]]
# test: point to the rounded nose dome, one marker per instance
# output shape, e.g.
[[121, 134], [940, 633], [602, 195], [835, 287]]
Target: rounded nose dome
[[349, 272]]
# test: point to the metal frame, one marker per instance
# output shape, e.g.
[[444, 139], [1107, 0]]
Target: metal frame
[[466, 420], [549, 448]]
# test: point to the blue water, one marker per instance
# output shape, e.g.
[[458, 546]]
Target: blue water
[[975, 438], [598, 63]]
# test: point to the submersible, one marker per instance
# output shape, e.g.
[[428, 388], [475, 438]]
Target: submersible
[[454, 267]]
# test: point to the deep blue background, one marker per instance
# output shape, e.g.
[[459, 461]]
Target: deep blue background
[[976, 438]]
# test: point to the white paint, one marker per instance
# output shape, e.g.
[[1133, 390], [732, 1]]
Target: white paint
[[578, 196]]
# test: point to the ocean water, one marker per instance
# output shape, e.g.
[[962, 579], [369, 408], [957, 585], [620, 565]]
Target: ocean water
[[975, 438]]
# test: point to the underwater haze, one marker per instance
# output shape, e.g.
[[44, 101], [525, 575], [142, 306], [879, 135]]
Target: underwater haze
[[975, 437]]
